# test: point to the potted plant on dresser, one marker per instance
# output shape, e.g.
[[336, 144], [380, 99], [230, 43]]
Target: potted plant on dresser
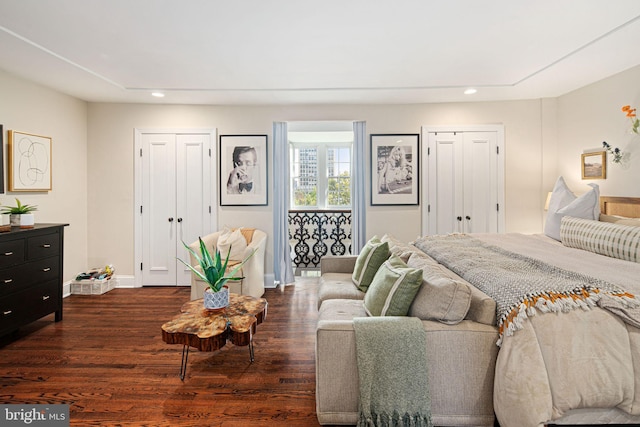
[[20, 215], [212, 271]]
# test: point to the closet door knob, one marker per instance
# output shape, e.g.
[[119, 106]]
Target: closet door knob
[[171, 219], [179, 219], [468, 218], [459, 218]]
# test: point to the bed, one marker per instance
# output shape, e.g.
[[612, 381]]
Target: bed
[[570, 354]]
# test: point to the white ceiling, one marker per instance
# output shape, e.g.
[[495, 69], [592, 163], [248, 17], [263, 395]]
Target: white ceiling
[[330, 51]]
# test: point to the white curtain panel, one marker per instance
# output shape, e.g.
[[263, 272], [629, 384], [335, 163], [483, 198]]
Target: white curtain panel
[[282, 266], [358, 186]]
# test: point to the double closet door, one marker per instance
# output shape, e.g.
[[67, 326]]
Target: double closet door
[[176, 192], [465, 188]]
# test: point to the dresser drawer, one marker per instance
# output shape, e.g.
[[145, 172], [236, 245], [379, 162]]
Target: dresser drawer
[[11, 253], [16, 278], [43, 246], [43, 299], [29, 305]]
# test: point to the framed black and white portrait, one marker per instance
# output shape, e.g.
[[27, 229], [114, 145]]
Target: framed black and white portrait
[[395, 169], [243, 170]]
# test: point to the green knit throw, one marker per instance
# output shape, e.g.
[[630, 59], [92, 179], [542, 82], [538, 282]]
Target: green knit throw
[[392, 369]]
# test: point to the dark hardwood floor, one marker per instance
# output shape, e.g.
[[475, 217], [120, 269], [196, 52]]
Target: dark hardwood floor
[[107, 360]]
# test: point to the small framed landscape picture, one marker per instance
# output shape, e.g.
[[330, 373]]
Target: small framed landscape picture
[[594, 165], [243, 170], [395, 169]]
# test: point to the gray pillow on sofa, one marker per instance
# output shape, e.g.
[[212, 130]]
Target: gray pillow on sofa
[[397, 247], [440, 297]]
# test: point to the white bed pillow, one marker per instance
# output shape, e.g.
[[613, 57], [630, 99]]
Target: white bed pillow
[[234, 241], [563, 202]]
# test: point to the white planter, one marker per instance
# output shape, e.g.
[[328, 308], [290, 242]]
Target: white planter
[[27, 220], [216, 300], [5, 223]]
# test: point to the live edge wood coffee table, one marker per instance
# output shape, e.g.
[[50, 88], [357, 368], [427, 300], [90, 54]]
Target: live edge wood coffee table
[[209, 330]]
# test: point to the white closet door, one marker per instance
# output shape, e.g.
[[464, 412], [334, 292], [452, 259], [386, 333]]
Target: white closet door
[[465, 187], [445, 182], [159, 209], [192, 185], [480, 183], [176, 203]]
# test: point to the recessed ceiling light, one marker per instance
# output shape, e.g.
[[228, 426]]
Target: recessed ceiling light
[[470, 91], [157, 94]]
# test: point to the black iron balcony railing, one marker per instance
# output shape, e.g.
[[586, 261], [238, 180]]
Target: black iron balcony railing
[[313, 234]]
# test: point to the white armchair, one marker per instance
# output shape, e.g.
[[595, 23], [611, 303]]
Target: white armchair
[[252, 270]]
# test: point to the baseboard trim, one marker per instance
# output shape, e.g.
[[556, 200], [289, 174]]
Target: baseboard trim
[[270, 281]]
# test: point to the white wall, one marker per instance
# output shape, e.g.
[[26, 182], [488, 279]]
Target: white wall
[[590, 115], [31, 108], [110, 154], [93, 156]]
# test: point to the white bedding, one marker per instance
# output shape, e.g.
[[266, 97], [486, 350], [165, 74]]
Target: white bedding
[[558, 364], [578, 359], [619, 272]]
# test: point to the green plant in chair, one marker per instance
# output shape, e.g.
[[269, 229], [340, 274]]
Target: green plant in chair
[[213, 268]]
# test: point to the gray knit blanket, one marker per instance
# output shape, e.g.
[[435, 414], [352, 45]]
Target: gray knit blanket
[[520, 285], [392, 371]]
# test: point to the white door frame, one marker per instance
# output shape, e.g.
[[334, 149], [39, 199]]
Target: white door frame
[[138, 132], [424, 173]]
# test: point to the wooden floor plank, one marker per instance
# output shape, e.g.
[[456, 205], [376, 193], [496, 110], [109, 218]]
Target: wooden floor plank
[[107, 360]]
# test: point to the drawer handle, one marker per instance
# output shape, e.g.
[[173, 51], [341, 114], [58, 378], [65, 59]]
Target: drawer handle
[[46, 269], [8, 253], [6, 313], [8, 280], [46, 246], [45, 297]]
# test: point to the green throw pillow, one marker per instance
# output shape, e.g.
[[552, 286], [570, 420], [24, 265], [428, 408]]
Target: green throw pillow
[[393, 289], [370, 259]]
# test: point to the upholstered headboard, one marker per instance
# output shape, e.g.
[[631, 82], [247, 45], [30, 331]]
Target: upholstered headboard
[[622, 206]]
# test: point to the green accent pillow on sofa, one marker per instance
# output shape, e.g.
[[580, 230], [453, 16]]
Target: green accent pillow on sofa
[[392, 289], [370, 259]]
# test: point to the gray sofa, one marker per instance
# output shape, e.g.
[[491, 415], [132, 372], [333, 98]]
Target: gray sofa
[[461, 342]]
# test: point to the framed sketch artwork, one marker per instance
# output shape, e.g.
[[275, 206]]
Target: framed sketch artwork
[[243, 170], [394, 169], [29, 162]]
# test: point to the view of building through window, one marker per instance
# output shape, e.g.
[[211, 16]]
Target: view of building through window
[[320, 176]]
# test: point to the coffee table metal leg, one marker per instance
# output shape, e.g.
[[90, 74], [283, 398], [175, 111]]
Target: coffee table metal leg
[[251, 350], [185, 357]]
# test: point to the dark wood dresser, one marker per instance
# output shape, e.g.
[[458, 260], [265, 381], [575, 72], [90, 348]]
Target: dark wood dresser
[[30, 275]]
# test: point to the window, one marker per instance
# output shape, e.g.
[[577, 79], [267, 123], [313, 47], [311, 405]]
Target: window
[[320, 175], [339, 176]]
